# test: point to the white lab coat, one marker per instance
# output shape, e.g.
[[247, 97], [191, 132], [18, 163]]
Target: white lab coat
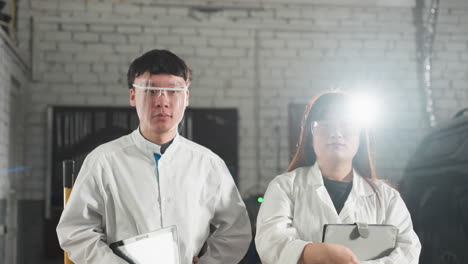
[[297, 206], [117, 196]]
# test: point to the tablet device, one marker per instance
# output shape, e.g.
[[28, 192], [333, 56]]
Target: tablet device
[[368, 242], [160, 246]]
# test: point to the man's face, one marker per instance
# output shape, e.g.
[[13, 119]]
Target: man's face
[[159, 111], [335, 140]]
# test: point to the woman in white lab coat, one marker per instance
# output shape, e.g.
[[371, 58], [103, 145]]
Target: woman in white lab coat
[[330, 180]]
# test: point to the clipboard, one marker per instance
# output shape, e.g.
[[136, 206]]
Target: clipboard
[[368, 242], [160, 246]]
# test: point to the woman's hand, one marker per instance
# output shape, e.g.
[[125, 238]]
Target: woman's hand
[[195, 260], [327, 253]]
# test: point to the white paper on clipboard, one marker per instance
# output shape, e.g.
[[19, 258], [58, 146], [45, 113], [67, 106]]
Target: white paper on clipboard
[[159, 246], [368, 242]]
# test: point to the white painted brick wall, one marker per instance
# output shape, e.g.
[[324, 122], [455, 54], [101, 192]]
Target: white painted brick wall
[[303, 49], [86, 37], [450, 64], [73, 27], [4, 119], [11, 67], [103, 28]]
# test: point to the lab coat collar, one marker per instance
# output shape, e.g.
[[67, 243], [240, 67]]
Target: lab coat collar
[[360, 186], [149, 147]]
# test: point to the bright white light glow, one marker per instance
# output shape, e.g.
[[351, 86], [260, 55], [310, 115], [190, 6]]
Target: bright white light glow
[[364, 110]]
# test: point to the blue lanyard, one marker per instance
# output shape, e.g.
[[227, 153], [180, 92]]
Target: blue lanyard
[[157, 156]]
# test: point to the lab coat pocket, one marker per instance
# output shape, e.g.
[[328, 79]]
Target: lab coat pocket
[[308, 213]]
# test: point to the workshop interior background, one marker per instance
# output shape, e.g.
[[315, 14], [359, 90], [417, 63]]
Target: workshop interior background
[[260, 61]]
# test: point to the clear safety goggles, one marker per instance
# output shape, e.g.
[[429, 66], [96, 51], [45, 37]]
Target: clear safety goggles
[[326, 127], [150, 94], [158, 91]]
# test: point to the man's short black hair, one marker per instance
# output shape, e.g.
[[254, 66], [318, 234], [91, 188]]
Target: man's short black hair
[[158, 62]]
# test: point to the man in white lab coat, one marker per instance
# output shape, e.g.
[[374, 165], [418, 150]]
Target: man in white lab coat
[[154, 178]]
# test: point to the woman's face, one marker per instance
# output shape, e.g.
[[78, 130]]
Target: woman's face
[[335, 139]]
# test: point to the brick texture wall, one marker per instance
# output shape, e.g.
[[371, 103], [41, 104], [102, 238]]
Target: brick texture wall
[[14, 74], [451, 60], [13, 78], [4, 119], [257, 57]]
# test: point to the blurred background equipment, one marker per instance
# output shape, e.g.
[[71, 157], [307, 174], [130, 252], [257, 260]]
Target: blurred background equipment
[[252, 203], [435, 189], [426, 32], [263, 59], [6, 16], [68, 180]]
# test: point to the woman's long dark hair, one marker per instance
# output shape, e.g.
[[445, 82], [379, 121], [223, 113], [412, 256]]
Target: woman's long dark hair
[[317, 109]]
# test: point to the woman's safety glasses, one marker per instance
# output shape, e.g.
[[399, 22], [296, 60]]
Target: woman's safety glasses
[[326, 127]]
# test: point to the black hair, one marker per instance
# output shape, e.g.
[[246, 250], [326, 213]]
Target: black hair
[[158, 62]]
